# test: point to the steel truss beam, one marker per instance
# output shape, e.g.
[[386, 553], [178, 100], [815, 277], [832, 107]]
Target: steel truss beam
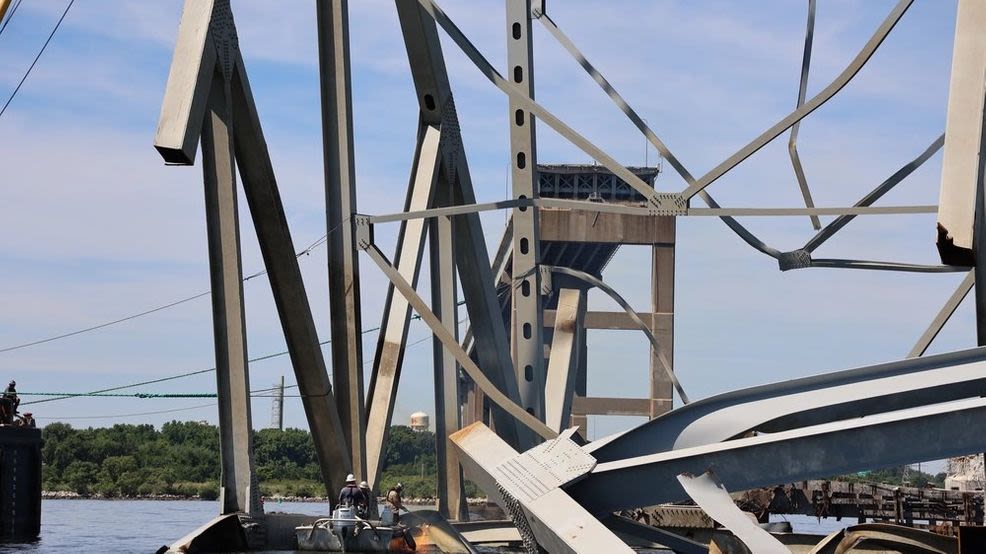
[[526, 486], [802, 111], [389, 357], [652, 137], [451, 344], [448, 418], [838, 223], [340, 204], [732, 223], [207, 60], [624, 209], [437, 106], [527, 332], [943, 315], [521, 99], [792, 144], [237, 492]]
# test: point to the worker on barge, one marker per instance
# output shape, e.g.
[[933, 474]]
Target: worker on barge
[[352, 496], [396, 501]]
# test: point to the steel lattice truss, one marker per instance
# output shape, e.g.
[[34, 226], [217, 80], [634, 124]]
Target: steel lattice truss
[[560, 493]]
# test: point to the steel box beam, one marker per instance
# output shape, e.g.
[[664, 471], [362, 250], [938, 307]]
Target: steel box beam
[[546, 516], [435, 100], [287, 285], [961, 177], [340, 204], [527, 326], [186, 94], [883, 440], [237, 492], [563, 365], [448, 418], [198, 104], [382, 394], [807, 401]]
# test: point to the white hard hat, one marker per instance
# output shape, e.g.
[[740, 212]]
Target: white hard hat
[[364, 485], [350, 478]]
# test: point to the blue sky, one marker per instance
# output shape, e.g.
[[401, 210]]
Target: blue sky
[[93, 226]]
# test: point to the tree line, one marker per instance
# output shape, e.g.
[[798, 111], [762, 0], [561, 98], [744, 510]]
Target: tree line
[[182, 459]]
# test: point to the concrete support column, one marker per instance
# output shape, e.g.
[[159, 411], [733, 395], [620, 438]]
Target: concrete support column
[[581, 384], [340, 192], [237, 490], [662, 302], [448, 419]]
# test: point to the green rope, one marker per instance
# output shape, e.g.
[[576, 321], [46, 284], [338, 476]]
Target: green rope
[[104, 392]]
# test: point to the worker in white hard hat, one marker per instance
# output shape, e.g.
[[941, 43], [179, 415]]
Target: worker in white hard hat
[[395, 497], [350, 495], [363, 509]]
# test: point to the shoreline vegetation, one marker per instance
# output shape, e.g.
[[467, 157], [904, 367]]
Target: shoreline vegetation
[[181, 461]]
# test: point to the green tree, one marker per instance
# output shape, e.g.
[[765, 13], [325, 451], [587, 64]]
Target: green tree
[[81, 476]]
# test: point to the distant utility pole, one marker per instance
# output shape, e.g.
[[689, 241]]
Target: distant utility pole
[[277, 407]]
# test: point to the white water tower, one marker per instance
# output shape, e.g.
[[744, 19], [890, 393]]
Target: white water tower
[[419, 421]]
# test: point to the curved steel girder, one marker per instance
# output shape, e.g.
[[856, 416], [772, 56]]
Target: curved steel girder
[[882, 440], [807, 401], [885, 534], [598, 283]]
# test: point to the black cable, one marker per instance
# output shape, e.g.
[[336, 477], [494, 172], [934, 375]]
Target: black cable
[[303, 252], [211, 369], [36, 58], [106, 324]]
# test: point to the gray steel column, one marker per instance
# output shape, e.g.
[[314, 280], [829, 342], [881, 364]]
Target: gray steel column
[[287, 286], [237, 493], [389, 357], [340, 204], [434, 95], [662, 302], [448, 419], [528, 342]]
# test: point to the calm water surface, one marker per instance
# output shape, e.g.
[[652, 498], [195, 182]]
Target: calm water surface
[[127, 526], [143, 526]]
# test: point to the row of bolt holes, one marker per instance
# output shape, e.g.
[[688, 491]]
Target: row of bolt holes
[[519, 119], [525, 287]]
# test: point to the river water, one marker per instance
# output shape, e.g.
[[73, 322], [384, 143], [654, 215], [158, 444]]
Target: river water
[[143, 526]]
